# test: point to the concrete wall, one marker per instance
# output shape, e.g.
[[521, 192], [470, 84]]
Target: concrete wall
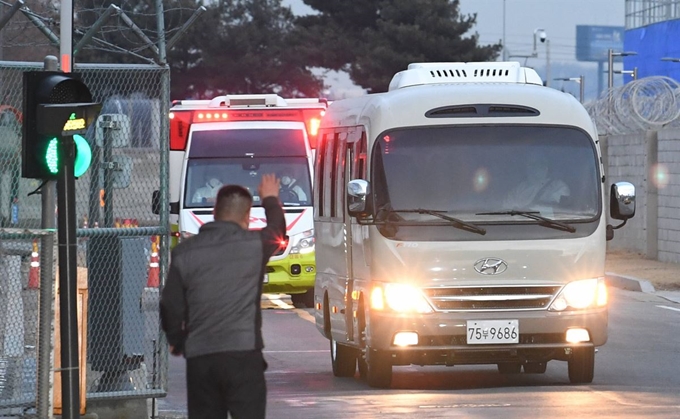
[[651, 162], [668, 180]]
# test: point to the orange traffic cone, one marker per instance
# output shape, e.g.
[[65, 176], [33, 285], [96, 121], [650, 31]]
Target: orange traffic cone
[[34, 270], [153, 279]]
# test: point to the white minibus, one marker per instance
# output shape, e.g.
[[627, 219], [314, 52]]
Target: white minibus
[[460, 218]]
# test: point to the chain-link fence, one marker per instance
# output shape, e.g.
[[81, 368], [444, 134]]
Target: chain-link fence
[[122, 243]]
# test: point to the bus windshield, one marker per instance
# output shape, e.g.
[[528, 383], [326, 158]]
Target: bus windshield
[[205, 176], [487, 173]]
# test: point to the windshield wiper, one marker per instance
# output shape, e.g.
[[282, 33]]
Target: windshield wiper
[[534, 216], [463, 225]]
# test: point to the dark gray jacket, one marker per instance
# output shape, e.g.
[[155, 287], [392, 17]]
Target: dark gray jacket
[[211, 300]]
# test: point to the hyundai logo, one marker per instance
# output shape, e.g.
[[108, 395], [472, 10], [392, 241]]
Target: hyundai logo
[[491, 266]]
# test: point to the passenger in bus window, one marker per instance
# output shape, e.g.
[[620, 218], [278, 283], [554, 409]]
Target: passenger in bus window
[[208, 192], [290, 190], [538, 187]]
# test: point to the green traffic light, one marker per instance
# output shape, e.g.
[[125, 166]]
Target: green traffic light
[[83, 156], [52, 156]]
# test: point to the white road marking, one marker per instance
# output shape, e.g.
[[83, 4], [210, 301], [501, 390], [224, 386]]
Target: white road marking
[[276, 299], [669, 308], [306, 316], [465, 406]]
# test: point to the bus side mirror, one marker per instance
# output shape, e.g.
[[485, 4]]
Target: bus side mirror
[[622, 201], [156, 202], [621, 205], [358, 198]]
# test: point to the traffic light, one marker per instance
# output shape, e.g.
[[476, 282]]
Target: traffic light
[[56, 105]]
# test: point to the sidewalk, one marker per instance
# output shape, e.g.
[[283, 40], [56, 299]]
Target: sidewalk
[[633, 271]]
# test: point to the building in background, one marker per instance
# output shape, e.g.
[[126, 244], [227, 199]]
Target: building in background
[[652, 31]]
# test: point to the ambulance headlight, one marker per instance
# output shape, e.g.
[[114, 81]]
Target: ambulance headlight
[[302, 243], [402, 298], [580, 295]]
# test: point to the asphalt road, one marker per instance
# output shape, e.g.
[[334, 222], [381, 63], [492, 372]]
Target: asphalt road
[[637, 375]]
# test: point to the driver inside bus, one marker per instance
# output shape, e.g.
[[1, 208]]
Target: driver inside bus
[[537, 187], [290, 189], [208, 192]]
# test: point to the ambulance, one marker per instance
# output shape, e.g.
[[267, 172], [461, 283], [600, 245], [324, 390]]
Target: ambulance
[[234, 139]]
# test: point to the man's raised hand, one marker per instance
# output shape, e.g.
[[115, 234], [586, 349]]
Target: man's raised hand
[[269, 186]]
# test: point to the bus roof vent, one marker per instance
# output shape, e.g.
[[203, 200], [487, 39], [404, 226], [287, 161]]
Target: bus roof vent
[[244, 101], [437, 73]]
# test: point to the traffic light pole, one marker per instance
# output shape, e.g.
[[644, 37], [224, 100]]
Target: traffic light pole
[[68, 286], [45, 325]]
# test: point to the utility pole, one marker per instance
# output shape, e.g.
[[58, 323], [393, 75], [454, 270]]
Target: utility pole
[[505, 48]]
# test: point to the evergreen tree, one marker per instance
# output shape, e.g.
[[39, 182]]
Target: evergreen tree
[[378, 38], [241, 46]]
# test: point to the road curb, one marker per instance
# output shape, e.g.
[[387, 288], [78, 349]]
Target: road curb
[[672, 296], [629, 283]]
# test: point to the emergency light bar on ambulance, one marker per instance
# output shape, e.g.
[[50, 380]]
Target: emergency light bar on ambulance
[[233, 108]]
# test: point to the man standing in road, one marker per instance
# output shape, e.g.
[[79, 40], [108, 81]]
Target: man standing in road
[[210, 305]]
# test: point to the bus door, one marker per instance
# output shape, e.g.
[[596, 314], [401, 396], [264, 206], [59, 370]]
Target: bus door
[[355, 168]]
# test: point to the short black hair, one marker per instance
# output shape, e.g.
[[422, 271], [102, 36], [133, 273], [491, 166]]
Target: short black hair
[[233, 203]]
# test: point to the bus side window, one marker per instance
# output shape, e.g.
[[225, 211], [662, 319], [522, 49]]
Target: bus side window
[[328, 186], [329, 176], [319, 174], [338, 197], [358, 170]]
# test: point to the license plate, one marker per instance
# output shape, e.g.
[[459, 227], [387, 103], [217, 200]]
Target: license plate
[[266, 279], [492, 331]]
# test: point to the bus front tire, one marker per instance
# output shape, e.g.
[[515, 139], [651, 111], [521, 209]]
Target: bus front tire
[[582, 365], [343, 359], [378, 369]]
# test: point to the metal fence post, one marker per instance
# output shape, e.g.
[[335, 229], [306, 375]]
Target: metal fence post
[[652, 207]]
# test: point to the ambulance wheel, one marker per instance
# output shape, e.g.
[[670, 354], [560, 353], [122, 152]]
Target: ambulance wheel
[[343, 359], [582, 365], [305, 300]]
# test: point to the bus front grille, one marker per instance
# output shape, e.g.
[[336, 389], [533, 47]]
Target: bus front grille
[[491, 297]]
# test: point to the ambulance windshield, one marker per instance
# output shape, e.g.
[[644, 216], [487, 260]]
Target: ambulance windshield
[[205, 176]]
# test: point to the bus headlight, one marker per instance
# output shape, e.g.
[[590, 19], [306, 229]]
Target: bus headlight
[[302, 243], [581, 294], [401, 298]]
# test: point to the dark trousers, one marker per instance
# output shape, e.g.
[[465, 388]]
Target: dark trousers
[[227, 383]]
